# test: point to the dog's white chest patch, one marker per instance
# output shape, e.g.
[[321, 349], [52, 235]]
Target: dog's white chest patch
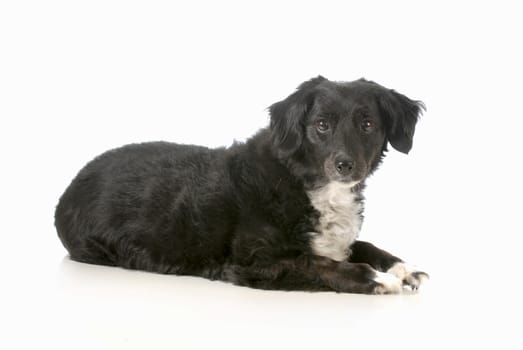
[[340, 220]]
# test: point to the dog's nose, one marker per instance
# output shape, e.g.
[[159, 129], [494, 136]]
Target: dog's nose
[[344, 165]]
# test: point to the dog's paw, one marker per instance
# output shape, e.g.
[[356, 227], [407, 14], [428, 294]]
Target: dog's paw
[[387, 283], [408, 274]]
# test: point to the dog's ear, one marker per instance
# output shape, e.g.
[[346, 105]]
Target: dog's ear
[[400, 116], [287, 117]]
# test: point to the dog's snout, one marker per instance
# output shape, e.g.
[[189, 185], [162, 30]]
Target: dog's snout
[[344, 165]]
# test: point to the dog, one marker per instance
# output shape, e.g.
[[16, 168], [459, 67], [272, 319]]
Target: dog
[[281, 211]]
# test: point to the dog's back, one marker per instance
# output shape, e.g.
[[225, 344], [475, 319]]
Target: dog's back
[[124, 206]]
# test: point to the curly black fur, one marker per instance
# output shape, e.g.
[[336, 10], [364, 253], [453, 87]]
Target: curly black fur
[[241, 214]]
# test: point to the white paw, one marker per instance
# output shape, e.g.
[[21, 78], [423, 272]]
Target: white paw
[[408, 274], [387, 283]]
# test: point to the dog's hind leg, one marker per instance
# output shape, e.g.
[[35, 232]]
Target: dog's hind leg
[[91, 251], [364, 252]]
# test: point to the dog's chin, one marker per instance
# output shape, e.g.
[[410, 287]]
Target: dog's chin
[[332, 176], [352, 179], [350, 182]]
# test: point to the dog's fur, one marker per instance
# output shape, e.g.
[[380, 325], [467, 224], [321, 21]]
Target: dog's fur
[[280, 211]]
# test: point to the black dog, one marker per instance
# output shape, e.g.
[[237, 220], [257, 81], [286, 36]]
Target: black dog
[[280, 211]]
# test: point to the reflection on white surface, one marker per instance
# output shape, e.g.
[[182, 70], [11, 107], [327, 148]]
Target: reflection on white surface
[[97, 307], [114, 307]]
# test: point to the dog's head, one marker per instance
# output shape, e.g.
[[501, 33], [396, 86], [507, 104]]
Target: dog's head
[[338, 131]]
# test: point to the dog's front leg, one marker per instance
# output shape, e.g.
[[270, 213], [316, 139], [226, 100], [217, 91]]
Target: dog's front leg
[[364, 252], [314, 273]]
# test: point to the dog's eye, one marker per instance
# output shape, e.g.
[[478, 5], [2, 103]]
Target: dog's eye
[[367, 126], [322, 125]]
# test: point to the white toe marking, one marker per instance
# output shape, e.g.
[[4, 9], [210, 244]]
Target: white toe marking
[[408, 273], [401, 270], [389, 284]]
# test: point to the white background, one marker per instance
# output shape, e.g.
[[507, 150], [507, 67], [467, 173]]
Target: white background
[[78, 78]]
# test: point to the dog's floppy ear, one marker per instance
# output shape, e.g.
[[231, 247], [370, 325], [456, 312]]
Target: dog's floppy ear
[[287, 117], [400, 116]]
